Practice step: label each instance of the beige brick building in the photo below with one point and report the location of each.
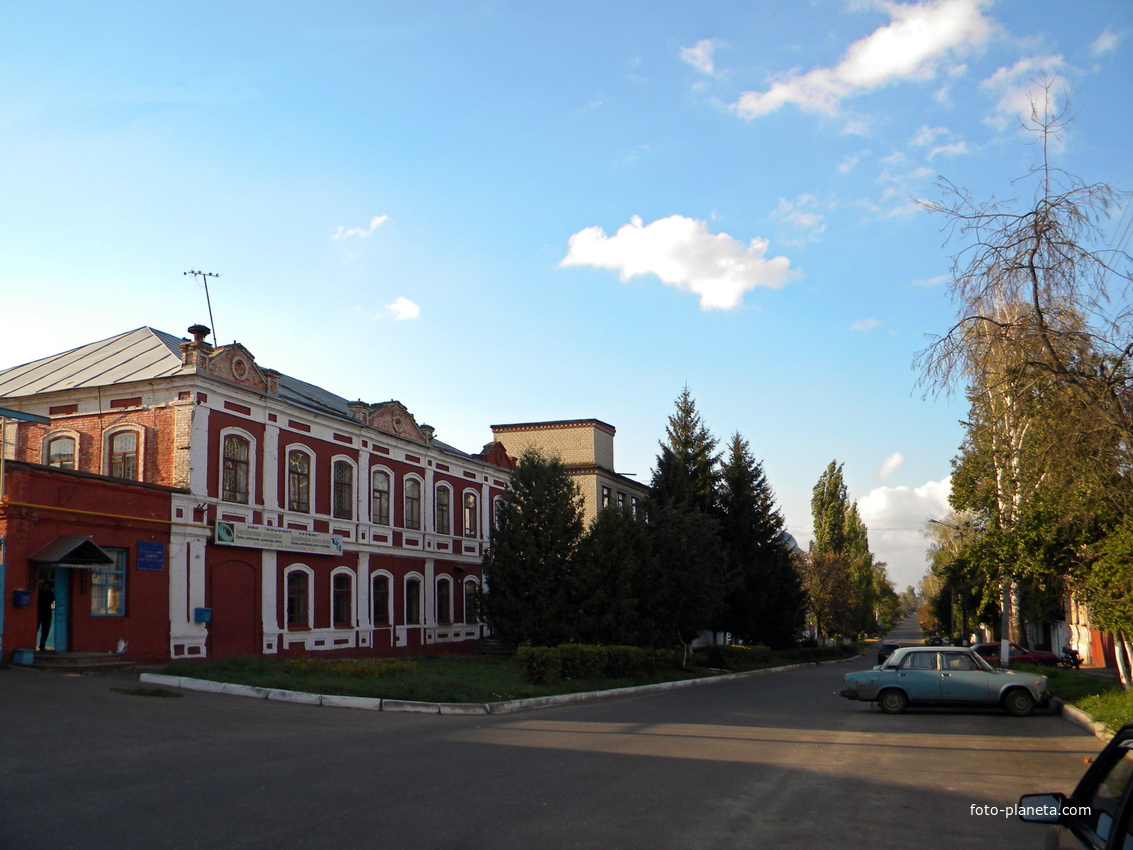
(586, 446)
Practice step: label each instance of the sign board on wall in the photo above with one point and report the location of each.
(278, 539)
(151, 555)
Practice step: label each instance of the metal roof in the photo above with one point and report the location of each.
(138, 355)
(147, 354)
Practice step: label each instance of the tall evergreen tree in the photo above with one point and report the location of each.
(527, 572)
(687, 472)
(612, 579)
(690, 573)
(768, 604)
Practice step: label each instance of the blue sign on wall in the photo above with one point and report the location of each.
(151, 556)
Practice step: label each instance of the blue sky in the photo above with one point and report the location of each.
(501, 212)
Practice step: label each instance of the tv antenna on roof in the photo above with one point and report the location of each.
(204, 276)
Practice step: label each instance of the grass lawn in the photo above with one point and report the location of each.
(452, 679)
(475, 679)
(1102, 698)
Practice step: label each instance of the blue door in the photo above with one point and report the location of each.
(962, 679)
(59, 636)
(919, 675)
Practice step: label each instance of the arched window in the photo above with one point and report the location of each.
(343, 507)
(471, 602)
(444, 600)
(235, 485)
(442, 516)
(124, 455)
(379, 511)
(380, 598)
(413, 601)
(413, 504)
(298, 598)
(342, 600)
(298, 481)
(61, 452)
(470, 514)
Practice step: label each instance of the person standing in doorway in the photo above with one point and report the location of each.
(46, 611)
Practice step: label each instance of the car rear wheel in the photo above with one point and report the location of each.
(892, 701)
(1019, 702)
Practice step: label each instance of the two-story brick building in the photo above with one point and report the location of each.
(296, 520)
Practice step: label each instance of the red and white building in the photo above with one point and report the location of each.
(295, 520)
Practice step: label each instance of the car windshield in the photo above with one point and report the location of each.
(981, 662)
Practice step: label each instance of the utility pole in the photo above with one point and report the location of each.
(204, 276)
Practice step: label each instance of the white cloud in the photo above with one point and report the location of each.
(700, 56)
(888, 466)
(361, 232)
(919, 37)
(865, 325)
(402, 308)
(895, 518)
(682, 253)
(939, 140)
(1106, 42)
(799, 216)
(1031, 83)
(932, 281)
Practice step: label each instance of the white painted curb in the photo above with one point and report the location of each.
(188, 683)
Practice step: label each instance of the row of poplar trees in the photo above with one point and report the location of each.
(707, 551)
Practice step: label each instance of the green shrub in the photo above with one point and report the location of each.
(542, 664)
(737, 657)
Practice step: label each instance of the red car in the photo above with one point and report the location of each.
(991, 652)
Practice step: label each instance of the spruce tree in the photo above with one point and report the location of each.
(687, 472)
(767, 604)
(527, 571)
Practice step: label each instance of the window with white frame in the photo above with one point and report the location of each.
(298, 584)
(123, 450)
(413, 601)
(379, 509)
(298, 481)
(444, 600)
(61, 451)
(381, 600)
(342, 599)
(471, 602)
(343, 490)
(442, 515)
(471, 512)
(234, 485)
(413, 504)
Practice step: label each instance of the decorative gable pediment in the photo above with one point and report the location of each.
(236, 364)
(390, 417)
(232, 363)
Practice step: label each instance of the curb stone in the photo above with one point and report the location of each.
(1080, 718)
(408, 706)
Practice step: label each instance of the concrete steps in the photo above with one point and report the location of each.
(79, 662)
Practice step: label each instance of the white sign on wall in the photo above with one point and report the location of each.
(279, 539)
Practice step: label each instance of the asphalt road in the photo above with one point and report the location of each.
(773, 761)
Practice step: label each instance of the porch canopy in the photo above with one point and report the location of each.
(76, 551)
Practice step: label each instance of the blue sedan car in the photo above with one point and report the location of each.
(928, 675)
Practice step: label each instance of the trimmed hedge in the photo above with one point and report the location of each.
(814, 654)
(736, 657)
(542, 664)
